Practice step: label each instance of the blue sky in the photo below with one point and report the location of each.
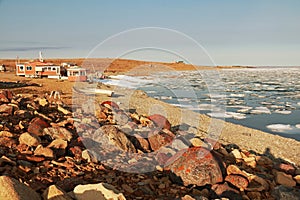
(232, 32)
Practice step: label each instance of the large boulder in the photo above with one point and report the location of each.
(195, 166)
(12, 189)
(114, 137)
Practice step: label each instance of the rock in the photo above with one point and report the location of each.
(160, 121)
(111, 105)
(53, 192)
(29, 139)
(283, 193)
(121, 118)
(85, 154)
(127, 188)
(100, 191)
(141, 143)
(7, 142)
(64, 111)
(233, 169)
(58, 144)
(286, 168)
(43, 151)
(178, 144)
(58, 133)
(254, 195)
(196, 142)
(236, 154)
(158, 139)
(263, 160)
(238, 181)
(37, 125)
(3, 97)
(224, 190)
(115, 137)
(12, 189)
(6, 110)
(284, 179)
(257, 184)
(43, 102)
(195, 166)
(7, 160)
(6, 134)
(297, 179)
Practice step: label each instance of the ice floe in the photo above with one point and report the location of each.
(279, 127)
(260, 110)
(284, 112)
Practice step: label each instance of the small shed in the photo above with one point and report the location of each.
(76, 74)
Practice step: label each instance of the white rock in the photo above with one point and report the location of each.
(100, 191)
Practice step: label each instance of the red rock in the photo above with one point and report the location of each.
(195, 166)
(6, 109)
(37, 125)
(110, 105)
(287, 168)
(7, 142)
(34, 158)
(76, 151)
(143, 143)
(238, 181)
(3, 98)
(158, 139)
(160, 121)
(6, 96)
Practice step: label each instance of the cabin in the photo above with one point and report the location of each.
(76, 73)
(38, 69)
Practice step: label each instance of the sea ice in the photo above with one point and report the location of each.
(279, 127)
(260, 110)
(284, 112)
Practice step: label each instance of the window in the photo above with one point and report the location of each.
(21, 68)
(53, 68)
(29, 68)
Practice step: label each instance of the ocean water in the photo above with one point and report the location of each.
(267, 99)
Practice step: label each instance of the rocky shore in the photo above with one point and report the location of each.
(109, 150)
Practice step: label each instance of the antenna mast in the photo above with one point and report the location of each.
(41, 57)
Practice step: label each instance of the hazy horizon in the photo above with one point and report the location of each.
(254, 33)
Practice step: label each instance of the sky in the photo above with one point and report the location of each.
(214, 32)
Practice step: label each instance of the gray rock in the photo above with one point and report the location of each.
(283, 193)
